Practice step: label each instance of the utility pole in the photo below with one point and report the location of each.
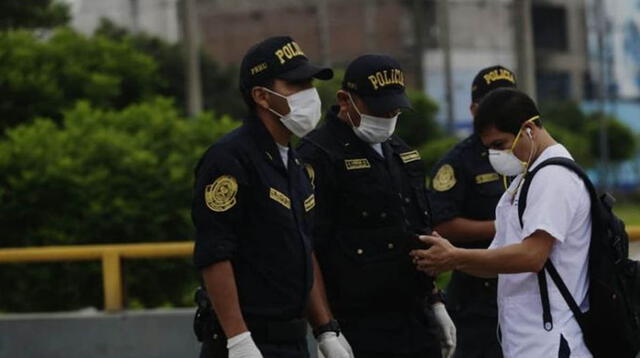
(445, 41)
(135, 16)
(419, 30)
(192, 57)
(601, 21)
(525, 52)
(370, 11)
(323, 29)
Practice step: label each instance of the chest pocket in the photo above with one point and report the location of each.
(360, 187)
(417, 190)
(489, 184)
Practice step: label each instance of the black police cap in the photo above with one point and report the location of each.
(489, 79)
(379, 81)
(278, 57)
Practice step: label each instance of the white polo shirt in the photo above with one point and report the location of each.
(558, 203)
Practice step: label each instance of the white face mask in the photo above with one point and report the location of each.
(304, 111)
(373, 129)
(505, 162)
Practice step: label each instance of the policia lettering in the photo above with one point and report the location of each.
(288, 52)
(499, 74)
(386, 77)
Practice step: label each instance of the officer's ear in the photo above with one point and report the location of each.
(260, 97)
(342, 97)
(473, 108)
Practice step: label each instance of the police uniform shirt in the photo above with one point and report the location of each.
(368, 207)
(465, 185)
(249, 209)
(559, 204)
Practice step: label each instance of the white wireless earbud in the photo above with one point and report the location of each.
(528, 130)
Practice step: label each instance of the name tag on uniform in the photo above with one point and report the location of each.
(353, 164)
(310, 203)
(411, 156)
(280, 198)
(486, 178)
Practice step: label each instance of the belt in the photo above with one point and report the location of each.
(263, 331)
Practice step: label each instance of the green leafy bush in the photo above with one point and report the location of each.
(100, 176)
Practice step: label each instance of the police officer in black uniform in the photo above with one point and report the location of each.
(464, 193)
(371, 201)
(252, 209)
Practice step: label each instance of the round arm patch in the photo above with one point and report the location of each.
(445, 178)
(221, 194)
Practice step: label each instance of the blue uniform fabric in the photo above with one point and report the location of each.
(369, 210)
(471, 301)
(266, 237)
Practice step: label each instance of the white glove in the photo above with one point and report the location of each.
(330, 345)
(447, 329)
(242, 346)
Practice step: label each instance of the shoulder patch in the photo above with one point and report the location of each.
(311, 173)
(445, 178)
(279, 197)
(310, 203)
(411, 156)
(486, 178)
(220, 195)
(353, 164)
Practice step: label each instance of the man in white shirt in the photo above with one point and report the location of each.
(556, 226)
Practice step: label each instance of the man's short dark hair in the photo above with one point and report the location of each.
(506, 109)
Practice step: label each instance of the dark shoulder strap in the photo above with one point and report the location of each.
(549, 267)
(563, 162)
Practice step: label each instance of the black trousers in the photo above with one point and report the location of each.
(477, 337)
(218, 349)
(430, 354)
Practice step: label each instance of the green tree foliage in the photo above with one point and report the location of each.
(101, 176)
(36, 14)
(41, 78)
(219, 85)
(419, 126)
(620, 138)
(580, 133)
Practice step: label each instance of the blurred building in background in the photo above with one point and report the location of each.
(155, 17)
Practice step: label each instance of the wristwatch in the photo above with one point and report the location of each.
(331, 326)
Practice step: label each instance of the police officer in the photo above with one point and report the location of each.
(371, 203)
(464, 192)
(252, 211)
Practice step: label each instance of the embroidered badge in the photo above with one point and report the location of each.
(280, 198)
(486, 178)
(411, 156)
(221, 194)
(310, 203)
(445, 178)
(353, 164)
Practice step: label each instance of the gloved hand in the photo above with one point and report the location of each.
(330, 345)
(447, 329)
(242, 346)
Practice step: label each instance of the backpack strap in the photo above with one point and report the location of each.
(549, 267)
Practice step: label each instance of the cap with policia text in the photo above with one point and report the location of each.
(379, 81)
(489, 79)
(278, 57)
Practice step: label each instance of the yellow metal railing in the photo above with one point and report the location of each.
(111, 256)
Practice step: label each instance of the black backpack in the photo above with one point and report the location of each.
(611, 327)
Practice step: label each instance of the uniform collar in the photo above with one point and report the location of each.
(267, 145)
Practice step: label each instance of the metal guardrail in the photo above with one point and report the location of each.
(112, 255)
